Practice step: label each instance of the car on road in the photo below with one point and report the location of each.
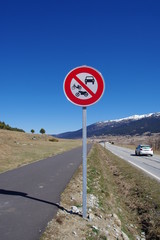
(143, 150)
(89, 79)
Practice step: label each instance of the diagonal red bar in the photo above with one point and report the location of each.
(84, 86)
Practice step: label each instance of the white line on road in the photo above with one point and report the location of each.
(144, 170)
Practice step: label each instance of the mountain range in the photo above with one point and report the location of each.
(137, 124)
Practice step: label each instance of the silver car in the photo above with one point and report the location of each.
(144, 150)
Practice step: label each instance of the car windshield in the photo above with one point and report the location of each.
(146, 147)
(89, 77)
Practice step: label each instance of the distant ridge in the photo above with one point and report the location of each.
(136, 124)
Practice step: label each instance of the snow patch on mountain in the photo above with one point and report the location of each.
(132, 118)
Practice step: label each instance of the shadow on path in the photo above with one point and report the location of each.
(25, 195)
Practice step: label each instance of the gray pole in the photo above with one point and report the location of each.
(84, 163)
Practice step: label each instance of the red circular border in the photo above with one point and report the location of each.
(83, 102)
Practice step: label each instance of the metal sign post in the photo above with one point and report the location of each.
(84, 162)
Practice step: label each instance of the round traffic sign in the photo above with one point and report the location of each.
(83, 86)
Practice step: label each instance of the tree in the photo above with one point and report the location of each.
(32, 131)
(42, 131)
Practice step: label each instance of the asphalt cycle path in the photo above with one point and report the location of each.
(30, 195)
(148, 164)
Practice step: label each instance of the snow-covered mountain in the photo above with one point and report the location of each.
(132, 118)
(137, 124)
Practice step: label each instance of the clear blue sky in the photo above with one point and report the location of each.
(41, 41)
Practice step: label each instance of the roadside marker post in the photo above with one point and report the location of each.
(84, 86)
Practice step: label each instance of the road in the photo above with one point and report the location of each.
(150, 165)
(30, 195)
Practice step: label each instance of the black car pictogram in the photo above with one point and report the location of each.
(81, 93)
(89, 79)
(78, 86)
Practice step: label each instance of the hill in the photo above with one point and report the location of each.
(7, 127)
(137, 124)
(18, 148)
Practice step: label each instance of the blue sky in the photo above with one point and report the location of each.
(41, 41)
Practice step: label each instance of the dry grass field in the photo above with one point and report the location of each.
(17, 148)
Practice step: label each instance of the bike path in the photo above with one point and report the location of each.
(30, 195)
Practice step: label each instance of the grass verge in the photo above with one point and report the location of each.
(134, 192)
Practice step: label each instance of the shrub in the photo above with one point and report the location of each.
(53, 140)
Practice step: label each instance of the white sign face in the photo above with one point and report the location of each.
(84, 86)
(87, 87)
